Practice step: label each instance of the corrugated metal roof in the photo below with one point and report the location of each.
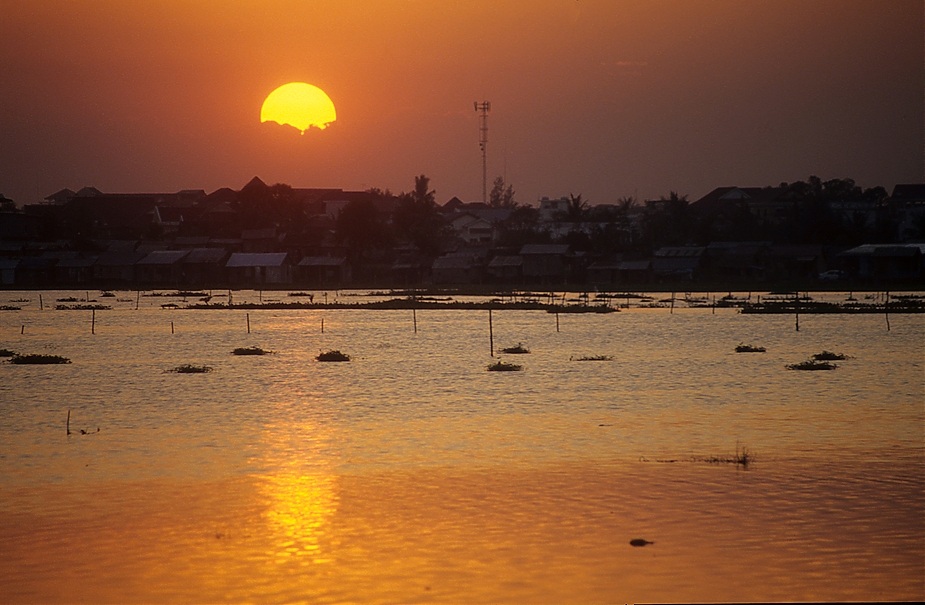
(506, 261)
(163, 257)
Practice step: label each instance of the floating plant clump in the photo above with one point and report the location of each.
(7, 353)
(742, 348)
(518, 349)
(595, 358)
(38, 359)
(503, 366)
(812, 364)
(250, 351)
(829, 356)
(333, 355)
(191, 369)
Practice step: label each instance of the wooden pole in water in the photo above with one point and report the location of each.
(22, 329)
(714, 304)
(414, 318)
(137, 298)
(886, 310)
(247, 316)
(557, 321)
(41, 304)
(93, 321)
(68, 421)
(322, 325)
(672, 304)
(171, 327)
(796, 310)
(491, 335)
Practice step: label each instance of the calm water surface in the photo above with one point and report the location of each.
(413, 475)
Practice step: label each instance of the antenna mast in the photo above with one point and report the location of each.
(484, 107)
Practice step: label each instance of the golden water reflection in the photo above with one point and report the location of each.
(300, 489)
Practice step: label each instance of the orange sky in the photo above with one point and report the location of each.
(605, 98)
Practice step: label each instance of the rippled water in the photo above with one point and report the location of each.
(411, 474)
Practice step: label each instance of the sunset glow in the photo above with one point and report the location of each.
(299, 105)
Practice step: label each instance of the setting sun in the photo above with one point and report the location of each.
(299, 105)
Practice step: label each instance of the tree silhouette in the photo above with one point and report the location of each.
(502, 195)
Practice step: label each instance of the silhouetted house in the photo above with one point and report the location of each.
(204, 267)
(506, 268)
(116, 268)
(472, 229)
(75, 269)
(635, 271)
(323, 271)
(677, 262)
(544, 263)
(737, 259)
(259, 269)
(724, 205)
(794, 261)
(260, 240)
(161, 267)
(457, 268)
(875, 262)
(35, 271)
(409, 268)
(604, 271)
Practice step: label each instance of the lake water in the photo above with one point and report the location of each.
(413, 475)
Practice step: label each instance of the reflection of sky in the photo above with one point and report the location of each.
(300, 488)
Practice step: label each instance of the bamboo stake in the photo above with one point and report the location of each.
(886, 310)
(93, 321)
(557, 321)
(41, 304)
(414, 318)
(491, 335)
(247, 316)
(68, 421)
(171, 327)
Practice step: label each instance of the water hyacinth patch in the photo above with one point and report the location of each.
(250, 351)
(503, 366)
(38, 359)
(191, 369)
(333, 355)
(811, 365)
(518, 349)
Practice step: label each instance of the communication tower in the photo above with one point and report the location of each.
(483, 108)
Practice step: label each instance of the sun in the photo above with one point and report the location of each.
(299, 105)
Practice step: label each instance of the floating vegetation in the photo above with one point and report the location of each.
(640, 542)
(333, 355)
(38, 359)
(518, 349)
(829, 356)
(170, 306)
(812, 364)
(595, 358)
(503, 366)
(68, 299)
(191, 369)
(250, 351)
(742, 348)
(83, 307)
(7, 353)
(107, 294)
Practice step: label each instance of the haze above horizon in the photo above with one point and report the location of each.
(594, 97)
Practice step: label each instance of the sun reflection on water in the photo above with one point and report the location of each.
(301, 491)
